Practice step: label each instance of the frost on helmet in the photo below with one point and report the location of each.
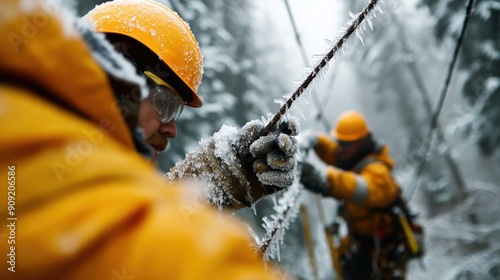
(158, 28)
(239, 167)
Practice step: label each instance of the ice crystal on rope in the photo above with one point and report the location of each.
(277, 224)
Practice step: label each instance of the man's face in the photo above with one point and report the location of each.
(156, 133)
(347, 150)
(157, 114)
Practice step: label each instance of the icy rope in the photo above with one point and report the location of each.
(442, 94)
(345, 34)
(276, 225)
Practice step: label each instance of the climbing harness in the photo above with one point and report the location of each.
(391, 253)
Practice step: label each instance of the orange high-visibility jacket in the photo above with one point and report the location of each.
(372, 187)
(85, 205)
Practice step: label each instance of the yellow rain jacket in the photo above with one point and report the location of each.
(83, 204)
(370, 188)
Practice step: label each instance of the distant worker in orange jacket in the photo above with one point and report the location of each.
(163, 49)
(358, 173)
(82, 203)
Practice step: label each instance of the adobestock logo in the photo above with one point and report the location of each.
(34, 22)
(78, 151)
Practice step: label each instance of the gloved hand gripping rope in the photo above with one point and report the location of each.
(240, 165)
(251, 147)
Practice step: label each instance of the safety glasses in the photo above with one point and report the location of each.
(166, 101)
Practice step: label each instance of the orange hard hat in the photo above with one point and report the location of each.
(351, 126)
(161, 30)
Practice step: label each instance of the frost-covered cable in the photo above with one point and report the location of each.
(419, 82)
(444, 89)
(323, 62)
(286, 210)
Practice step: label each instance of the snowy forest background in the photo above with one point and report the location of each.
(394, 77)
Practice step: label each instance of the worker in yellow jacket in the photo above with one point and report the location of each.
(358, 173)
(163, 49)
(81, 203)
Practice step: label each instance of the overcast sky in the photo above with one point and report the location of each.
(316, 21)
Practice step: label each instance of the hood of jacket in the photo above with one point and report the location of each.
(44, 52)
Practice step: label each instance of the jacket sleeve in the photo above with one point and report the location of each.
(373, 187)
(326, 149)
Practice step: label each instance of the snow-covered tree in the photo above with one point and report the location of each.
(479, 60)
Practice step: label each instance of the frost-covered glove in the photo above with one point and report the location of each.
(314, 179)
(239, 167)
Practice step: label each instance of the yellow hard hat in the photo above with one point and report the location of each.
(351, 126)
(158, 28)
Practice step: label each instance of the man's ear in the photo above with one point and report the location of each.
(128, 97)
